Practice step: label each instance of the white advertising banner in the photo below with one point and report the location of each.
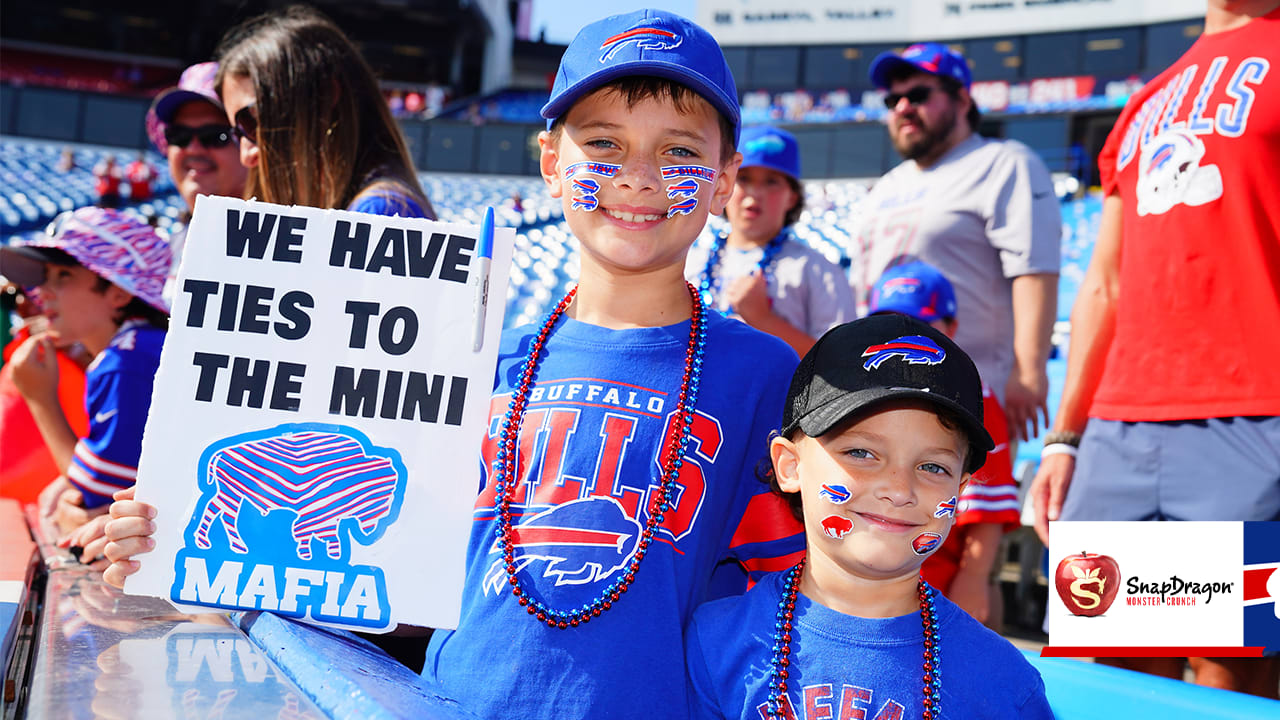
(313, 441)
(819, 22)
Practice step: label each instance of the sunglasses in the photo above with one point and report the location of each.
(210, 136)
(914, 96)
(247, 123)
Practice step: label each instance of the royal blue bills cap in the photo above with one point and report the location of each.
(646, 42)
(932, 58)
(916, 289)
(196, 83)
(770, 147)
(861, 364)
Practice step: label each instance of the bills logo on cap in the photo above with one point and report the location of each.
(946, 508)
(914, 349)
(899, 285)
(925, 543)
(837, 494)
(765, 144)
(645, 38)
(837, 526)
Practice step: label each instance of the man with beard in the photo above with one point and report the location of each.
(982, 211)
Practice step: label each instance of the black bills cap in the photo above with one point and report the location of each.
(879, 358)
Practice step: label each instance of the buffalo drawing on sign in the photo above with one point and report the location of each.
(328, 476)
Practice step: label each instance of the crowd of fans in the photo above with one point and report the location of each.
(962, 236)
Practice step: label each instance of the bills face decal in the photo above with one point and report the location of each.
(946, 508)
(838, 494)
(837, 526)
(925, 543)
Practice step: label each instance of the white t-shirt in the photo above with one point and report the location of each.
(984, 214)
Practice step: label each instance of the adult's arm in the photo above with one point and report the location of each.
(35, 373)
(1093, 321)
(1026, 394)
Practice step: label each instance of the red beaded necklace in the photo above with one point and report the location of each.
(504, 467)
(932, 667)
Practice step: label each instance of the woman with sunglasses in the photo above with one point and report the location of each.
(313, 125)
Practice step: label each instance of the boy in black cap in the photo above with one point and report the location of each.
(881, 429)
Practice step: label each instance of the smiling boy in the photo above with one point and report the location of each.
(882, 428)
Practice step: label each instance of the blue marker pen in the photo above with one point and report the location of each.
(484, 258)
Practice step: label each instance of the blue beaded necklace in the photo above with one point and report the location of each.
(781, 662)
(504, 468)
(710, 284)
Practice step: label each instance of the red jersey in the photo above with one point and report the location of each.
(990, 497)
(1193, 157)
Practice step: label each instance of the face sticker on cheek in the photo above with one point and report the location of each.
(925, 543)
(837, 494)
(685, 188)
(585, 189)
(837, 526)
(946, 508)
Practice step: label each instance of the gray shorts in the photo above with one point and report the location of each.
(1215, 469)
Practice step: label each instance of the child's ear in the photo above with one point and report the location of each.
(786, 464)
(725, 179)
(964, 482)
(549, 163)
(117, 297)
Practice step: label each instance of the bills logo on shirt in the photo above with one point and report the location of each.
(583, 495)
(913, 349)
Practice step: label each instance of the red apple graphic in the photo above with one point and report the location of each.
(1087, 583)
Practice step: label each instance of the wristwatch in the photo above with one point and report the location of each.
(1062, 437)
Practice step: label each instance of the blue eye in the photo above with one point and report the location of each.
(683, 152)
(935, 469)
(860, 453)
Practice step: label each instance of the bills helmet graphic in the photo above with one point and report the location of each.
(578, 542)
(684, 207)
(925, 543)
(838, 494)
(946, 508)
(837, 526)
(645, 38)
(1170, 173)
(325, 477)
(913, 349)
(682, 189)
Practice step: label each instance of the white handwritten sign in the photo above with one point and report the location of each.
(313, 441)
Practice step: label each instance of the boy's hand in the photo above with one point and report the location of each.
(70, 514)
(748, 296)
(49, 496)
(91, 538)
(128, 534)
(35, 369)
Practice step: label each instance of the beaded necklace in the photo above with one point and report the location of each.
(710, 285)
(932, 665)
(504, 467)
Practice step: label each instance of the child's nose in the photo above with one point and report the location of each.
(639, 174)
(894, 485)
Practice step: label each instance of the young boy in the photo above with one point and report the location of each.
(988, 507)
(626, 429)
(881, 430)
(98, 279)
(759, 271)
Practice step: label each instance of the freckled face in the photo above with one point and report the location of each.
(897, 465)
(629, 231)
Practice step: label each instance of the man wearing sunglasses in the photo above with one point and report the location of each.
(982, 211)
(189, 125)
